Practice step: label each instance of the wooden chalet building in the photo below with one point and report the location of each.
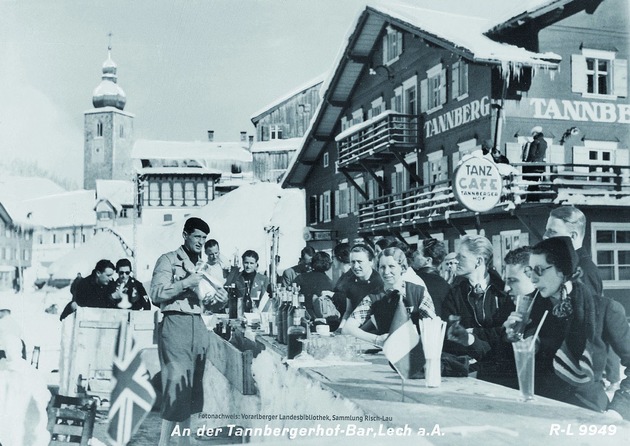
(280, 127)
(416, 90)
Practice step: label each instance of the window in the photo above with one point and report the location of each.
(325, 159)
(313, 211)
(436, 167)
(154, 194)
(178, 194)
(599, 73)
(392, 45)
(410, 96)
(433, 89)
(611, 249)
(167, 217)
(357, 116)
(166, 194)
(397, 100)
(67, 238)
(326, 206)
(202, 193)
(377, 108)
(82, 238)
(54, 238)
(276, 132)
(342, 200)
(459, 80)
(99, 129)
(344, 123)
(189, 194)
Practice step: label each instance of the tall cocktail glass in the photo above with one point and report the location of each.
(524, 356)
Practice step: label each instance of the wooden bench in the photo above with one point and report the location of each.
(71, 420)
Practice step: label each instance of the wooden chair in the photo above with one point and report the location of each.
(71, 420)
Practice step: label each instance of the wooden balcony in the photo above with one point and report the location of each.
(582, 185)
(376, 140)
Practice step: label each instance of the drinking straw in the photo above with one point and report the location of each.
(538, 328)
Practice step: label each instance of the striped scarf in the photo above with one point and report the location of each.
(573, 362)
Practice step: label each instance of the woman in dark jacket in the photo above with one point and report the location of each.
(572, 350)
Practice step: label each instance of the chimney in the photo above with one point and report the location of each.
(243, 136)
(251, 141)
(211, 135)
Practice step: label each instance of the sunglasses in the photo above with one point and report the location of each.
(126, 273)
(538, 270)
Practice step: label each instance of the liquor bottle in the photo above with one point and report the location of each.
(232, 301)
(282, 329)
(286, 315)
(294, 334)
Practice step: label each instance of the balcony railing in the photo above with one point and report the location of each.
(384, 132)
(583, 185)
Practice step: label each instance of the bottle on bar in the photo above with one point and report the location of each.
(232, 301)
(286, 316)
(282, 329)
(306, 316)
(294, 334)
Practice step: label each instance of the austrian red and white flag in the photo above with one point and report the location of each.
(133, 395)
(403, 348)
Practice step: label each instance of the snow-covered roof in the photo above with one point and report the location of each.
(19, 188)
(200, 150)
(278, 102)
(509, 12)
(465, 32)
(116, 191)
(67, 209)
(277, 145)
(178, 170)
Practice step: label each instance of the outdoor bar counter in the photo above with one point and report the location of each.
(355, 397)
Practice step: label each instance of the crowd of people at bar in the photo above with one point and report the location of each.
(580, 346)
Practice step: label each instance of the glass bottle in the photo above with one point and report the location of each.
(294, 334)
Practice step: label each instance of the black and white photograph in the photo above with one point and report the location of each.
(307, 222)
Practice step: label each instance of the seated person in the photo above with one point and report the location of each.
(126, 284)
(360, 281)
(250, 285)
(573, 340)
(478, 298)
(371, 319)
(314, 282)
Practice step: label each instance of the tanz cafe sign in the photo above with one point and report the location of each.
(477, 184)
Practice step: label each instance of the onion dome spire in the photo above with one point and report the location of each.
(108, 93)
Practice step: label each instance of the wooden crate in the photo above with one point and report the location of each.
(235, 364)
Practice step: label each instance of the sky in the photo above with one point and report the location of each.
(186, 66)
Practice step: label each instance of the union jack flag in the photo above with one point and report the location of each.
(133, 395)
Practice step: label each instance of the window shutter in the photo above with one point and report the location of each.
(337, 202)
(424, 95)
(578, 73)
(385, 49)
(443, 86)
(620, 79)
(331, 207)
(321, 208)
(455, 81)
(463, 74)
(395, 183)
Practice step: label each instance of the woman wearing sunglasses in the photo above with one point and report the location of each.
(575, 336)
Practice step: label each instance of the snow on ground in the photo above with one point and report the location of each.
(37, 327)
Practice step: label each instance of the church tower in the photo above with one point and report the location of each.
(108, 131)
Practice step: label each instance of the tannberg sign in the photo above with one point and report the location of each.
(478, 184)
